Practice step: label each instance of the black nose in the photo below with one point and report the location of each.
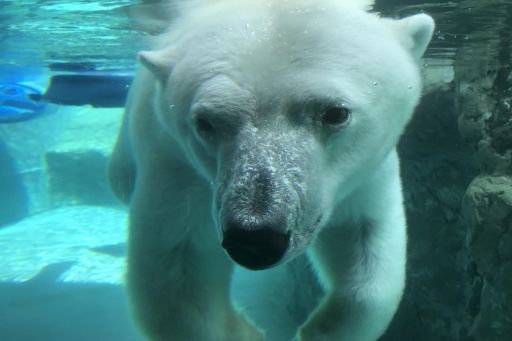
(255, 249)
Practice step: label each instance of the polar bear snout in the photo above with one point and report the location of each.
(255, 248)
(256, 209)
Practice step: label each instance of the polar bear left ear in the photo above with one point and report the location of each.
(416, 32)
(160, 63)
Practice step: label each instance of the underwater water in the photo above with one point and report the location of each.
(65, 68)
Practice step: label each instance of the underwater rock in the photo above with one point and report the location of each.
(60, 159)
(76, 177)
(76, 163)
(488, 209)
(459, 284)
(484, 97)
(13, 197)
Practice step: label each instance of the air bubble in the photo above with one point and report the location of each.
(375, 83)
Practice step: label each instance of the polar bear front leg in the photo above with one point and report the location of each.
(361, 261)
(178, 276)
(361, 301)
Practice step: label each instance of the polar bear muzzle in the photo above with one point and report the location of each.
(257, 201)
(254, 226)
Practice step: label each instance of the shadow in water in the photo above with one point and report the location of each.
(46, 308)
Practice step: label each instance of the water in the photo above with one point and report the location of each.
(38, 34)
(62, 234)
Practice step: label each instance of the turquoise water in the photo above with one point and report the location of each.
(62, 234)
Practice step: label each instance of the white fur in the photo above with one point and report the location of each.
(262, 73)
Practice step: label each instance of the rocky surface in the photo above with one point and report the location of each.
(13, 197)
(457, 169)
(488, 210)
(56, 160)
(23, 144)
(76, 166)
(484, 101)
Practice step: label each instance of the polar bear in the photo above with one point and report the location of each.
(257, 131)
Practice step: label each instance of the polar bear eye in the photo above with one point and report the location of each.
(336, 116)
(204, 126)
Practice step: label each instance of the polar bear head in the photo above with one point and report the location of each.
(284, 107)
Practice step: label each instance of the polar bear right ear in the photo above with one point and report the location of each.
(416, 32)
(160, 63)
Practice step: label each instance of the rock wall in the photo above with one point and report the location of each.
(484, 101)
(457, 170)
(13, 197)
(58, 159)
(76, 166)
